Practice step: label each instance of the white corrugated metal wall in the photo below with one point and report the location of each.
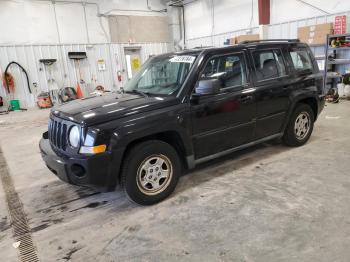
(286, 30)
(217, 39)
(64, 72)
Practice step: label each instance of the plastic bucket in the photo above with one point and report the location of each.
(15, 104)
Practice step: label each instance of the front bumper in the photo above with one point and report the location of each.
(95, 171)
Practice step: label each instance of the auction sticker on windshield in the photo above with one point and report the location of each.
(183, 59)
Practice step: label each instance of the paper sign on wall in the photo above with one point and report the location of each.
(101, 64)
(339, 24)
(135, 63)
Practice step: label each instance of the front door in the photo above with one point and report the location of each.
(224, 120)
(273, 87)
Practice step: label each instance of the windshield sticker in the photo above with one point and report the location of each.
(183, 59)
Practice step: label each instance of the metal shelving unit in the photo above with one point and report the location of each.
(339, 48)
(337, 61)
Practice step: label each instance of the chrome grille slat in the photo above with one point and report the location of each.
(50, 129)
(58, 131)
(58, 135)
(64, 136)
(54, 133)
(51, 133)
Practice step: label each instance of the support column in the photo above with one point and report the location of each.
(263, 32)
(264, 18)
(264, 12)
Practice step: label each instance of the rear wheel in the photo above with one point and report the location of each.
(300, 126)
(150, 172)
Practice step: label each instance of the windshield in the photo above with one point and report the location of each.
(162, 75)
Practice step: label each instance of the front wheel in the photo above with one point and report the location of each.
(150, 172)
(300, 126)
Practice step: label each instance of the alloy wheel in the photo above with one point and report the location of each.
(154, 174)
(302, 125)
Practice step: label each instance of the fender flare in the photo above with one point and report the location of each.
(295, 101)
(120, 142)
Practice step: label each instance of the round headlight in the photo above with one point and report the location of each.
(74, 136)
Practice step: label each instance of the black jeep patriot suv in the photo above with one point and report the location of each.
(182, 109)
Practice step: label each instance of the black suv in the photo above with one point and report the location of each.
(182, 109)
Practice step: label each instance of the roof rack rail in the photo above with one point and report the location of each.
(204, 46)
(271, 40)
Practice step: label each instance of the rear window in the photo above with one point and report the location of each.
(301, 59)
(269, 64)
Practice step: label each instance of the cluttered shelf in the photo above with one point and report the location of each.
(334, 75)
(330, 44)
(337, 64)
(339, 48)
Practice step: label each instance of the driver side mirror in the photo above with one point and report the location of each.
(206, 87)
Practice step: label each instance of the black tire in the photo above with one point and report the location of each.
(135, 161)
(290, 136)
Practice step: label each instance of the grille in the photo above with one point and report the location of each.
(58, 133)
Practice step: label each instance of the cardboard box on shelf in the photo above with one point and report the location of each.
(315, 34)
(241, 38)
(314, 40)
(315, 29)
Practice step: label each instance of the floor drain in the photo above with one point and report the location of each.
(19, 222)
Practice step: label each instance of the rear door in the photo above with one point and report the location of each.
(306, 73)
(273, 87)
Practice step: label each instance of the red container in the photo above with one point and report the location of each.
(44, 100)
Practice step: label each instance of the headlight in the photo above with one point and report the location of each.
(74, 136)
(89, 147)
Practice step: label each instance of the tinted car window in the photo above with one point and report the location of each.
(301, 59)
(269, 64)
(230, 69)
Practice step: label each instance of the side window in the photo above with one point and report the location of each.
(269, 64)
(301, 59)
(230, 69)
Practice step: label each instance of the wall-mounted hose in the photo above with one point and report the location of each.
(24, 71)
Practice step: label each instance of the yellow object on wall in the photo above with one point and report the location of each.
(135, 63)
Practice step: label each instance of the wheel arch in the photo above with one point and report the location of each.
(171, 137)
(312, 102)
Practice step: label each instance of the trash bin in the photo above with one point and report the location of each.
(14, 104)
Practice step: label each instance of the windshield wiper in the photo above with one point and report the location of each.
(135, 91)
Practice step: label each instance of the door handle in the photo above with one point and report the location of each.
(246, 99)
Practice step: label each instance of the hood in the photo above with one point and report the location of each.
(93, 110)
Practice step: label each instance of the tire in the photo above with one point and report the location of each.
(300, 126)
(150, 172)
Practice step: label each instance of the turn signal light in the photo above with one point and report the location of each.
(92, 149)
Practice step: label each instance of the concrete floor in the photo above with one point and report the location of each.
(267, 203)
